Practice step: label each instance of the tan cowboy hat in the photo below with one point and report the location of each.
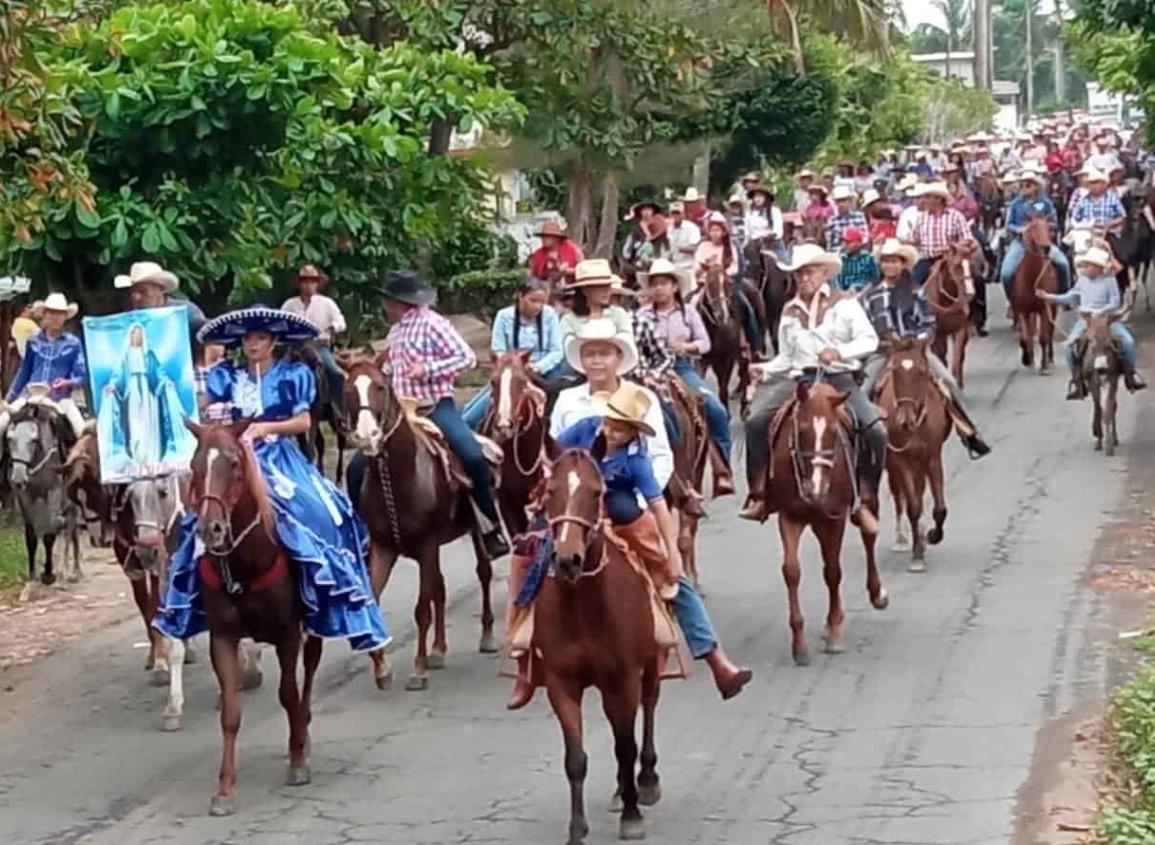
(736, 199)
(892, 247)
(870, 196)
(662, 267)
(908, 182)
(817, 186)
(1029, 174)
(593, 272)
(601, 331)
(806, 255)
(629, 404)
(1011, 177)
(676, 207)
(618, 286)
(1097, 256)
(56, 302)
(841, 192)
(551, 229)
(936, 189)
(147, 272)
(1094, 174)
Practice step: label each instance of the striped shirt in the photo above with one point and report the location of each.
(424, 337)
(935, 232)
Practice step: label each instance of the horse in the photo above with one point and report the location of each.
(1035, 317)
(328, 407)
(517, 421)
(991, 204)
(1135, 245)
(1100, 363)
(813, 231)
(437, 510)
(1059, 189)
(812, 483)
(724, 327)
(947, 297)
(248, 588)
(594, 626)
(691, 454)
(35, 453)
(771, 282)
(918, 424)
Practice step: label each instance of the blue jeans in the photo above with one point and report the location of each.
(673, 427)
(476, 408)
(1014, 257)
(749, 320)
(325, 356)
(717, 415)
(1122, 336)
(690, 611)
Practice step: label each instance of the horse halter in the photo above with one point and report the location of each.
(801, 458)
(201, 502)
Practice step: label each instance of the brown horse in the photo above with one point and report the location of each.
(1100, 365)
(724, 326)
(946, 295)
(812, 484)
(918, 424)
(691, 454)
(412, 508)
(517, 422)
(594, 627)
(990, 196)
(248, 588)
(813, 231)
(1035, 317)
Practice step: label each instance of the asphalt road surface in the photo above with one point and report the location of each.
(924, 731)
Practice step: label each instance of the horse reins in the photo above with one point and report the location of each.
(919, 419)
(230, 584)
(35, 469)
(518, 431)
(386, 477)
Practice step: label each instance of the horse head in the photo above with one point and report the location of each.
(818, 414)
(83, 486)
(572, 505)
(515, 400)
(1037, 235)
(225, 479)
(1101, 351)
(814, 231)
(910, 379)
(33, 437)
(143, 514)
(369, 399)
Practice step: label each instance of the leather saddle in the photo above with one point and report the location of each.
(430, 437)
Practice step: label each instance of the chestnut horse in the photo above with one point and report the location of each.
(1035, 317)
(918, 424)
(947, 297)
(594, 627)
(812, 484)
(248, 588)
(724, 326)
(410, 509)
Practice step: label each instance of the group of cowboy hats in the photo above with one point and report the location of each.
(142, 272)
(810, 255)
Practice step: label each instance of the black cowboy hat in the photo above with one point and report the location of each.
(406, 286)
(761, 189)
(636, 208)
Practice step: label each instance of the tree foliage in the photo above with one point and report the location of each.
(1116, 43)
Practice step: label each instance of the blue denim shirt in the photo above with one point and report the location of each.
(46, 360)
(626, 472)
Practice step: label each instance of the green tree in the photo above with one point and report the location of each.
(1114, 41)
(864, 23)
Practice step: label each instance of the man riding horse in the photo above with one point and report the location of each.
(1030, 204)
(935, 228)
(1099, 208)
(324, 313)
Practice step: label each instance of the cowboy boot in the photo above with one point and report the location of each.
(1132, 379)
(522, 687)
(728, 678)
(755, 509)
(1076, 390)
(723, 476)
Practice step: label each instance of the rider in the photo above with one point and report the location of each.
(819, 206)
(1096, 292)
(845, 217)
(716, 251)
(684, 237)
(804, 181)
(826, 330)
(557, 256)
(53, 357)
(315, 522)
(897, 308)
(1100, 206)
(323, 313)
(681, 332)
(859, 267)
(1031, 203)
(530, 323)
(593, 292)
(881, 221)
(936, 228)
(764, 218)
(151, 286)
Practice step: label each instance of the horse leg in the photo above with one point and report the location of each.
(173, 717)
(381, 560)
(687, 536)
(1047, 339)
(790, 530)
(319, 447)
(565, 696)
(649, 784)
(158, 643)
(1109, 414)
(74, 540)
(1096, 411)
(958, 358)
(288, 655)
(313, 647)
(938, 495)
(895, 476)
(879, 599)
(488, 644)
(141, 596)
(251, 676)
(1022, 321)
(342, 445)
(436, 659)
(915, 495)
(223, 651)
(830, 535)
(30, 542)
(621, 708)
(48, 576)
(423, 615)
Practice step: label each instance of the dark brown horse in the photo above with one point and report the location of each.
(771, 281)
(328, 407)
(724, 326)
(517, 422)
(248, 589)
(1100, 365)
(946, 295)
(691, 454)
(411, 507)
(594, 628)
(991, 203)
(918, 424)
(813, 231)
(812, 484)
(1035, 317)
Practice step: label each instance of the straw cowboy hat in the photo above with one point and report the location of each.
(869, 197)
(406, 286)
(592, 272)
(807, 255)
(629, 404)
(819, 188)
(908, 182)
(1096, 256)
(662, 267)
(601, 331)
(936, 189)
(842, 193)
(892, 247)
(551, 229)
(147, 272)
(691, 195)
(230, 329)
(56, 302)
(1093, 174)
(738, 199)
(1029, 174)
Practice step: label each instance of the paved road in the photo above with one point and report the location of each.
(923, 732)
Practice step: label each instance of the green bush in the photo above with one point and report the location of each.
(1133, 720)
(481, 292)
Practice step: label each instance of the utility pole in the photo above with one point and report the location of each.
(1060, 69)
(981, 27)
(1029, 19)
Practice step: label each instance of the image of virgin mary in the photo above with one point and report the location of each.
(139, 423)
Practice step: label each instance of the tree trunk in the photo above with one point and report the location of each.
(608, 228)
(579, 209)
(440, 132)
(1060, 63)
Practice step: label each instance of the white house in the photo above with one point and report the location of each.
(1007, 96)
(962, 68)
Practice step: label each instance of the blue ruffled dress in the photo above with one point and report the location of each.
(315, 521)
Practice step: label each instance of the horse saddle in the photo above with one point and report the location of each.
(431, 438)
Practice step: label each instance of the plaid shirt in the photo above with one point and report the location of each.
(1099, 210)
(935, 232)
(888, 318)
(211, 412)
(654, 357)
(837, 225)
(425, 337)
(858, 270)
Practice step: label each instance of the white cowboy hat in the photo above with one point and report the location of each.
(841, 192)
(870, 196)
(1029, 174)
(662, 267)
(805, 173)
(601, 331)
(56, 302)
(1097, 256)
(908, 182)
(676, 207)
(1094, 174)
(736, 199)
(896, 248)
(147, 272)
(593, 272)
(936, 189)
(691, 195)
(806, 255)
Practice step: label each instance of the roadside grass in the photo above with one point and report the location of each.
(1129, 818)
(13, 561)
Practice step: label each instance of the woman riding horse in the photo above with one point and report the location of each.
(314, 520)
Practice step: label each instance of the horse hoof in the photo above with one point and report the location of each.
(632, 830)
(801, 657)
(298, 776)
(934, 536)
(74, 578)
(27, 593)
(1098, 446)
(48, 579)
(648, 796)
(435, 660)
(384, 681)
(190, 655)
(222, 805)
(917, 566)
(158, 677)
(833, 645)
(417, 683)
(882, 602)
(487, 645)
(577, 833)
(170, 723)
(251, 680)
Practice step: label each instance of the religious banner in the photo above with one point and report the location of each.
(141, 373)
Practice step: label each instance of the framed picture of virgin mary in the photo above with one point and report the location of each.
(140, 370)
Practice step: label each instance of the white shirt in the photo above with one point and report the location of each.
(321, 311)
(758, 226)
(575, 404)
(684, 241)
(1105, 162)
(904, 230)
(844, 326)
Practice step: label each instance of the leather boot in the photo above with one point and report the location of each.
(522, 687)
(1133, 380)
(1076, 391)
(728, 678)
(755, 508)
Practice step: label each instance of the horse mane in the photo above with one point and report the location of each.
(255, 483)
(83, 455)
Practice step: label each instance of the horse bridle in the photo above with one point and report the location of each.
(533, 402)
(814, 457)
(231, 585)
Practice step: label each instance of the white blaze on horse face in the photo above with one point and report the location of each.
(817, 468)
(505, 399)
(907, 364)
(572, 483)
(367, 429)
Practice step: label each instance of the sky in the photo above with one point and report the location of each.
(920, 11)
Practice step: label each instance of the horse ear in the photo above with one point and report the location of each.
(598, 450)
(842, 397)
(801, 391)
(239, 428)
(524, 356)
(193, 426)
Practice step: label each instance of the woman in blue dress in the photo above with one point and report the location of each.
(315, 521)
